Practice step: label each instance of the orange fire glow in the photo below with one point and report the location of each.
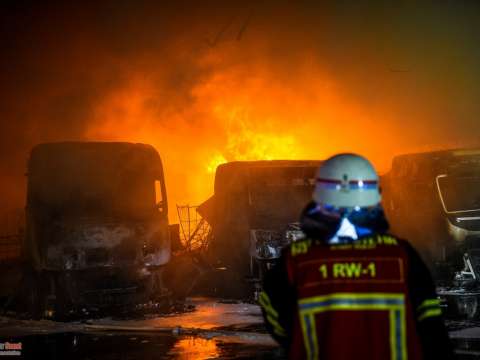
(243, 112)
(193, 348)
(238, 80)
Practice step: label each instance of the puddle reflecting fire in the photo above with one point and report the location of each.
(194, 348)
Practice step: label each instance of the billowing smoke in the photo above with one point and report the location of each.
(221, 81)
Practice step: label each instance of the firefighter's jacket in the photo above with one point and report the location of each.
(372, 298)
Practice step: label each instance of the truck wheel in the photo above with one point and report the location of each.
(468, 306)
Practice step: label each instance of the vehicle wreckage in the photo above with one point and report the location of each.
(433, 200)
(430, 199)
(97, 231)
(254, 213)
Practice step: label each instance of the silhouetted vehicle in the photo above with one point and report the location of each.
(433, 199)
(97, 232)
(253, 215)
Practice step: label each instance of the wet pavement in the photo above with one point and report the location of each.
(112, 346)
(465, 336)
(215, 330)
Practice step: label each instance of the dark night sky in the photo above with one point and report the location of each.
(406, 73)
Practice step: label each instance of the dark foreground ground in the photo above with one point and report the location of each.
(139, 346)
(215, 330)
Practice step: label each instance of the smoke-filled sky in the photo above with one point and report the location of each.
(216, 81)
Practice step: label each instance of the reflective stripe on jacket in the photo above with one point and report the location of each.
(356, 300)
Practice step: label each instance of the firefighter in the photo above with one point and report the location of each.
(349, 289)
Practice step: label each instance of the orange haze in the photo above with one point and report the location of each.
(236, 80)
(234, 117)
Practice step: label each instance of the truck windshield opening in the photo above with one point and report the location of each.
(460, 193)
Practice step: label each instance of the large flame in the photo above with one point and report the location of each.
(243, 112)
(237, 80)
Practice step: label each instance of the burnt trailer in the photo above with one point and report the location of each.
(97, 231)
(254, 213)
(433, 199)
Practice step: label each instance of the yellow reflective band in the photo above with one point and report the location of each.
(391, 303)
(277, 328)
(265, 303)
(430, 313)
(392, 338)
(356, 296)
(272, 314)
(264, 297)
(429, 303)
(269, 309)
(309, 330)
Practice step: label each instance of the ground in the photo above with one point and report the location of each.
(214, 330)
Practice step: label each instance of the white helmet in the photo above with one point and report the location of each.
(347, 181)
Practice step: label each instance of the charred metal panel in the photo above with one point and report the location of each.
(82, 245)
(419, 203)
(259, 194)
(252, 208)
(94, 205)
(268, 244)
(433, 200)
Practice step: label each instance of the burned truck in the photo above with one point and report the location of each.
(433, 199)
(97, 231)
(254, 213)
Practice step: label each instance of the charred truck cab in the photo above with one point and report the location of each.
(254, 213)
(96, 225)
(433, 199)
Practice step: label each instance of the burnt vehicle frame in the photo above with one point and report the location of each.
(432, 199)
(254, 213)
(97, 232)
